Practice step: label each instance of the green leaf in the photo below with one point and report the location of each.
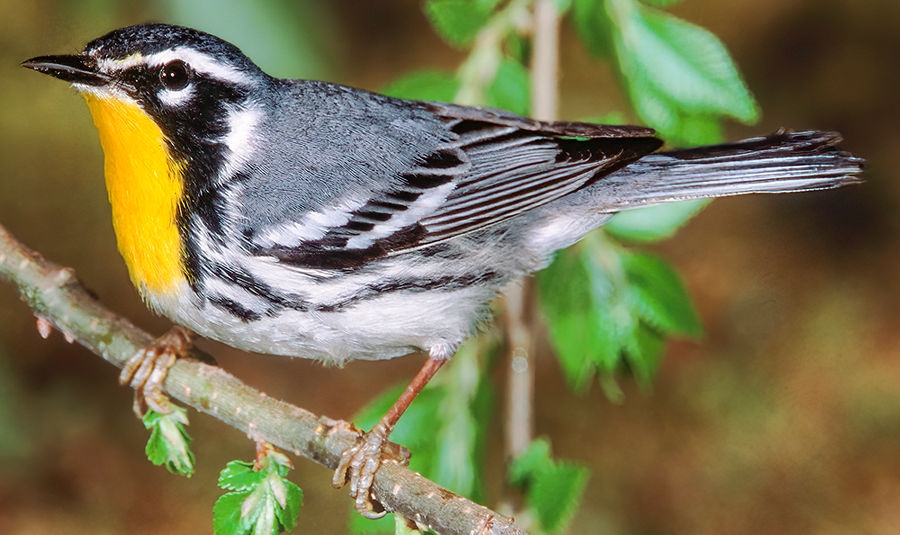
(679, 76)
(553, 489)
(572, 298)
(263, 500)
(240, 476)
(424, 85)
(556, 495)
(533, 460)
(643, 352)
(361, 525)
(459, 21)
(653, 223)
(227, 514)
(606, 307)
(661, 3)
(658, 297)
(290, 502)
(593, 25)
(169, 444)
(511, 88)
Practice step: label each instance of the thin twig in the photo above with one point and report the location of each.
(520, 392)
(545, 60)
(480, 67)
(56, 296)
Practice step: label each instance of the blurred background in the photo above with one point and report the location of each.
(784, 418)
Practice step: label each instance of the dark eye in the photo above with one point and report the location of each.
(175, 75)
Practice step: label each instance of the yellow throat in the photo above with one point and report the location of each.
(145, 186)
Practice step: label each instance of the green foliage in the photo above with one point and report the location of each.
(169, 444)
(458, 21)
(424, 85)
(653, 223)
(553, 489)
(607, 307)
(262, 500)
(680, 77)
(661, 3)
(511, 87)
(593, 25)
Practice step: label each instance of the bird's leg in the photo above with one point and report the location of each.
(146, 370)
(360, 462)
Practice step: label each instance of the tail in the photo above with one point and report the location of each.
(784, 162)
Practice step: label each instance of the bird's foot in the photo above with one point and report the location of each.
(360, 462)
(147, 369)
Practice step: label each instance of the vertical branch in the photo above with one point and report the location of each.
(520, 392)
(545, 60)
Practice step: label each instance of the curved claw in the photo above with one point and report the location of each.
(147, 369)
(358, 465)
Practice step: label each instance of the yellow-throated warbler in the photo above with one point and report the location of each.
(304, 218)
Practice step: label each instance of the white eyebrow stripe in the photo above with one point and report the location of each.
(198, 61)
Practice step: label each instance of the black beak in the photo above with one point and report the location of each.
(75, 69)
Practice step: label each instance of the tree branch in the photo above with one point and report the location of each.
(519, 316)
(57, 296)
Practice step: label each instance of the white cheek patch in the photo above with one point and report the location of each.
(242, 124)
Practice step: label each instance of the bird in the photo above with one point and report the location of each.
(310, 219)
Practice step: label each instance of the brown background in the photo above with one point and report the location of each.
(784, 418)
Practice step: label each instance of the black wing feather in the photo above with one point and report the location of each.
(497, 165)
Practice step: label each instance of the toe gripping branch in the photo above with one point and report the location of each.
(360, 462)
(147, 369)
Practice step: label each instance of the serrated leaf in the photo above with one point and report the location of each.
(511, 87)
(556, 494)
(679, 76)
(459, 21)
(424, 85)
(239, 476)
(169, 444)
(657, 295)
(703, 77)
(265, 502)
(653, 223)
